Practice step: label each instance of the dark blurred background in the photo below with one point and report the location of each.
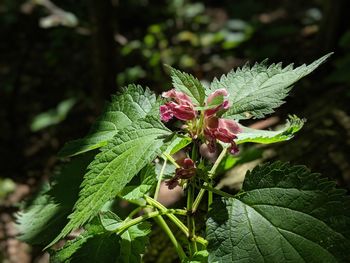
(61, 60)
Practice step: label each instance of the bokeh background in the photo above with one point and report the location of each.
(61, 60)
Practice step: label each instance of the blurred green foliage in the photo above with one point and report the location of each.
(53, 116)
(186, 38)
(6, 186)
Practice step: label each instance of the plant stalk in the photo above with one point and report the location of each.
(126, 224)
(168, 157)
(160, 179)
(190, 220)
(191, 224)
(211, 174)
(175, 220)
(161, 222)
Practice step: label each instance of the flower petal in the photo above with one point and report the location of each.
(223, 106)
(218, 92)
(184, 112)
(221, 129)
(180, 97)
(166, 113)
(230, 125)
(233, 149)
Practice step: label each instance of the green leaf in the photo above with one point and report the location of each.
(125, 155)
(287, 214)
(133, 243)
(110, 221)
(177, 143)
(93, 245)
(52, 116)
(189, 85)
(148, 180)
(257, 91)
(218, 100)
(293, 125)
(132, 104)
(7, 186)
(199, 257)
(46, 214)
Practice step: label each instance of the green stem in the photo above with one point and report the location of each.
(126, 224)
(190, 220)
(200, 125)
(167, 156)
(211, 174)
(217, 191)
(191, 224)
(161, 222)
(134, 212)
(175, 220)
(210, 197)
(212, 171)
(172, 217)
(160, 179)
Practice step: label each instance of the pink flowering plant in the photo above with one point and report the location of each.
(184, 141)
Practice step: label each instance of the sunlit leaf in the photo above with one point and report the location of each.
(124, 156)
(293, 125)
(189, 85)
(256, 91)
(132, 104)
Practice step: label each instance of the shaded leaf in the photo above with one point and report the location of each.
(133, 240)
(47, 213)
(93, 245)
(110, 221)
(133, 243)
(286, 214)
(53, 116)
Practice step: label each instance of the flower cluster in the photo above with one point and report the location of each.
(212, 127)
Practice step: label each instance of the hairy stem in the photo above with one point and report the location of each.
(134, 212)
(190, 220)
(211, 174)
(161, 222)
(126, 224)
(172, 217)
(175, 220)
(212, 171)
(160, 179)
(210, 196)
(168, 157)
(191, 224)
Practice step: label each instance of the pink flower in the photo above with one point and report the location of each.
(182, 108)
(186, 171)
(216, 128)
(223, 130)
(223, 106)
